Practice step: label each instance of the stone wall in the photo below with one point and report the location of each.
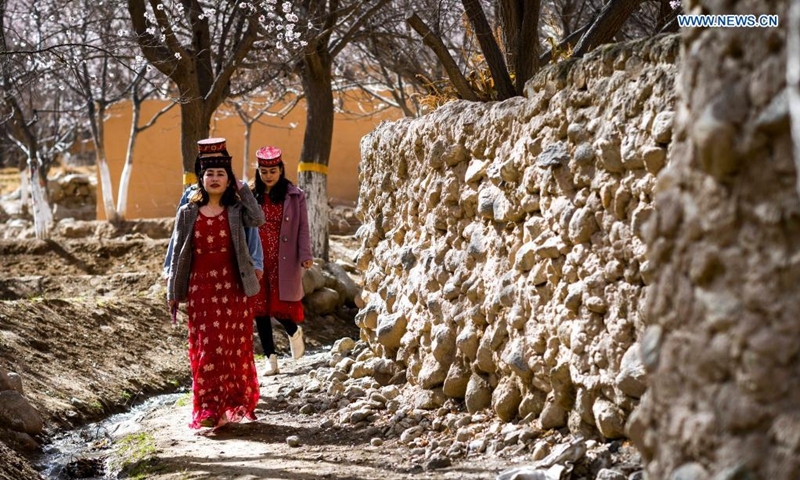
(502, 246)
(722, 344)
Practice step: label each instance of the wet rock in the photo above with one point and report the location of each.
(17, 413)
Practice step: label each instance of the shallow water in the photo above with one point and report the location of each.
(83, 453)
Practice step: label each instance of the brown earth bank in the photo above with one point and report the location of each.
(83, 323)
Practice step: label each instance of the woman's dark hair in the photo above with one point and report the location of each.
(230, 197)
(277, 194)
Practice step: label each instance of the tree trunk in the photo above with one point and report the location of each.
(248, 129)
(434, 42)
(194, 126)
(722, 344)
(521, 30)
(96, 121)
(491, 51)
(105, 182)
(611, 19)
(42, 214)
(312, 174)
(125, 177)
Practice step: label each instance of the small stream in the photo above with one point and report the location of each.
(84, 452)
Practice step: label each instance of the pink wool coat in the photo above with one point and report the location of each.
(294, 246)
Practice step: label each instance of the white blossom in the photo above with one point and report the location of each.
(160, 6)
(178, 55)
(287, 7)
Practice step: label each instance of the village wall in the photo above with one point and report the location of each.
(502, 242)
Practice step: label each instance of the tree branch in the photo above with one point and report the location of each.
(437, 46)
(611, 19)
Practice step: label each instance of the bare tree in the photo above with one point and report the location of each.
(524, 26)
(38, 113)
(332, 27)
(199, 48)
(141, 89)
(97, 72)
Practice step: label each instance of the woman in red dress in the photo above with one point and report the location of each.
(287, 251)
(211, 269)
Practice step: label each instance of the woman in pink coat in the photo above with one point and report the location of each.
(287, 252)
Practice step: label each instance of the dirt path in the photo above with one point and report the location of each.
(325, 449)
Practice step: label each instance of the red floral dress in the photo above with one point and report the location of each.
(224, 381)
(268, 303)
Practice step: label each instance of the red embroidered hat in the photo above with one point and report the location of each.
(269, 156)
(212, 153)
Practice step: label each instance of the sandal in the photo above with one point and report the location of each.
(208, 422)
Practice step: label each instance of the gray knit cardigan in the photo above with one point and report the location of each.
(246, 213)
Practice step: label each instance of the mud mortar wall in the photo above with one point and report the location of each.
(502, 246)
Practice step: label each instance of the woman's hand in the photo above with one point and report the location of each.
(259, 274)
(307, 264)
(173, 310)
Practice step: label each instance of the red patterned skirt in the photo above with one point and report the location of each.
(268, 302)
(224, 379)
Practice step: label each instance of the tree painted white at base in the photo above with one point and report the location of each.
(315, 186)
(42, 215)
(108, 196)
(122, 195)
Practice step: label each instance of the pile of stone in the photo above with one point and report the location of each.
(327, 287)
(73, 195)
(359, 390)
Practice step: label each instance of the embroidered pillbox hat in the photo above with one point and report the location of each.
(212, 153)
(269, 156)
